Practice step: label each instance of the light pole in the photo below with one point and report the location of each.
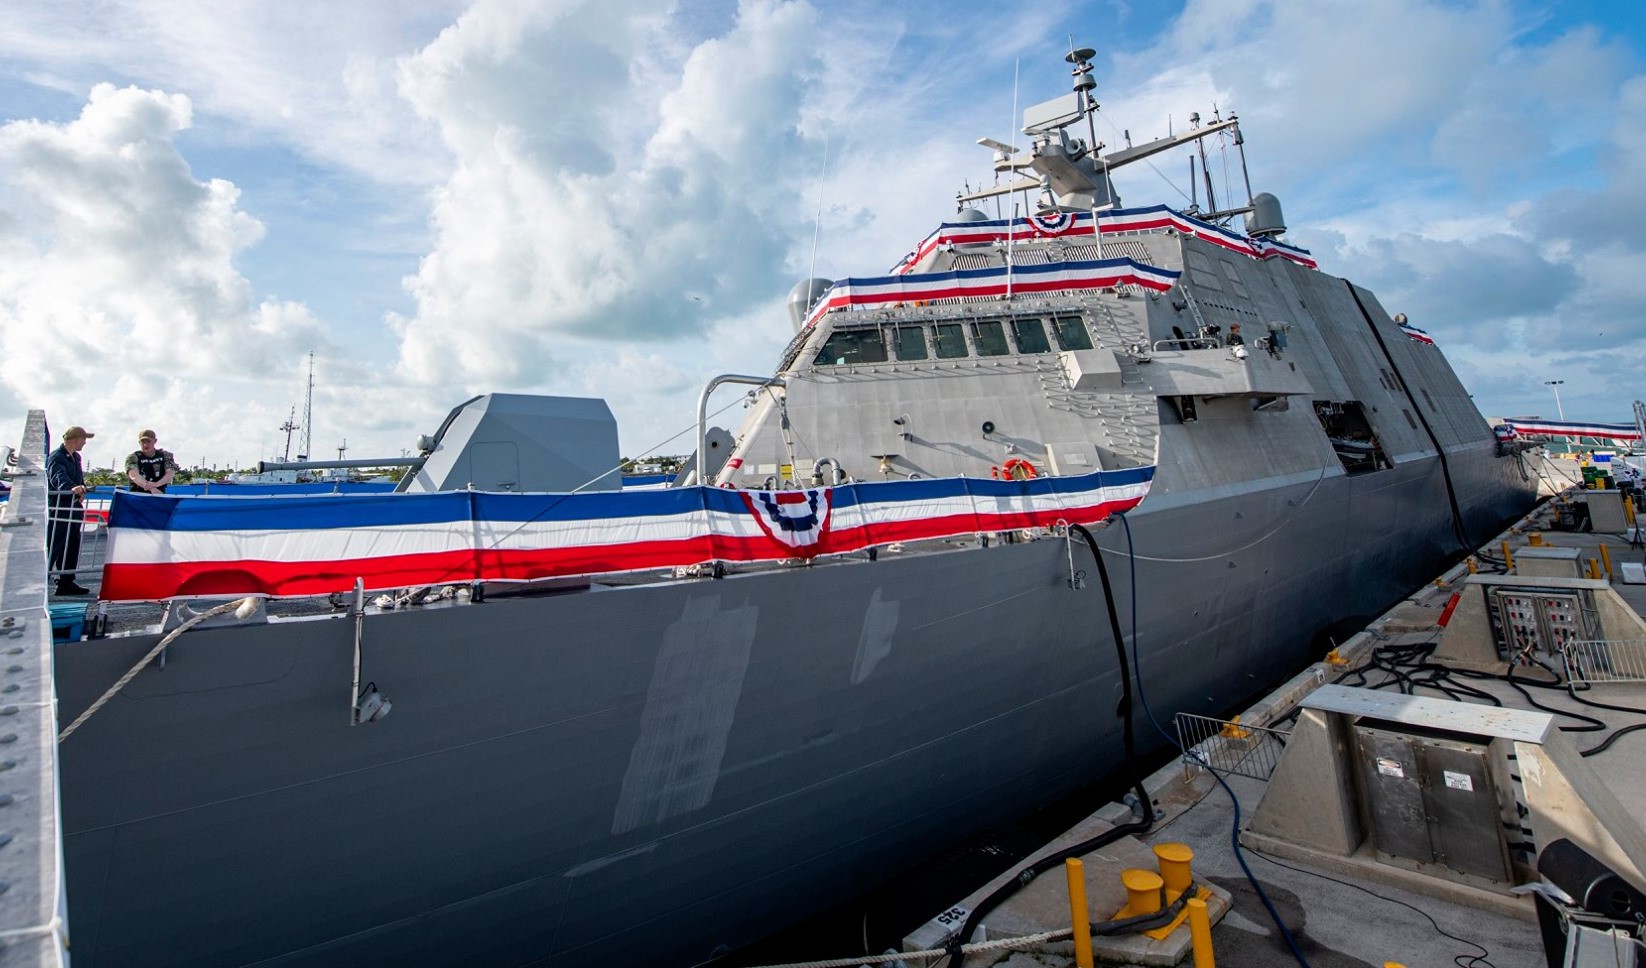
(1556, 384)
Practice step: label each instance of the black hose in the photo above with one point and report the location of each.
(1034, 870)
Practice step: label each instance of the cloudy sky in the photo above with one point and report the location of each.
(441, 198)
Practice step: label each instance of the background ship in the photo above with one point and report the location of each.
(659, 767)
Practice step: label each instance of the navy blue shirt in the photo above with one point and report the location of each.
(63, 470)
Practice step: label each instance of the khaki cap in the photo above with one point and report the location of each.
(147, 435)
(76, 432)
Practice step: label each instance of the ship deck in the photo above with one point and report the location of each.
(1343, 911)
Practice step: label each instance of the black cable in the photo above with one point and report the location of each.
(1462, 961)
(1143, 698)
(955, 945)
(1460, 530)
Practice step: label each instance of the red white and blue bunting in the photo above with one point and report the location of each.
(1070, 226)
(161, 546)
(1412, 332)
(1563, 428)
(992, 282)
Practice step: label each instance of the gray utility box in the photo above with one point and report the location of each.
(1548, 562)
(1430, 798)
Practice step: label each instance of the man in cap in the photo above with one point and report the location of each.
(66, 486)
(149, 468)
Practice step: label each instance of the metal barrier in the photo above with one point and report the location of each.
(1228, 746)
(1189, 343)
(1593, 661)
(77, 534)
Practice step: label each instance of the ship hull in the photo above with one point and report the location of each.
(656, 774)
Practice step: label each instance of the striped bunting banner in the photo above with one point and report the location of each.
(991, 282)
(161, 546)
(1563, 428)
(1072, 226)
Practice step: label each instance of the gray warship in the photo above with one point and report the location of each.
(657, 755)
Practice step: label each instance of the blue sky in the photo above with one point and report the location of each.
(443, 198)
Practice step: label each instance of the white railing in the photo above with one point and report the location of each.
(1593, 661)
(1229, 746)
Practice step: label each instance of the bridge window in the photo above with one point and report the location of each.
(951, 341)
(910, 342)
(1071, 333)
(853, 346)
(1030, 335)
(991, 338)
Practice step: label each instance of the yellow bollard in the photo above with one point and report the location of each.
(1629, 510)
(1508, 559)
(1474, 566)
(1142, 890)
(1534, 538)
(1200, 932)
(1594, 567)
(1174, 867)
(1079, 918)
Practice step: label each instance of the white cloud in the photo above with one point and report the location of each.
(604, 216)
(118, 288)
(315, 75)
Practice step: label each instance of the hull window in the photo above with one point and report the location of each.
(991, 338)
(1071, 333)
(853, 346)
(1030, 335)
(911, 343)
(950, 339)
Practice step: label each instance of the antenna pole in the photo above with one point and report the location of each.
(817, 226)
(308, 413)
(288, 427)
(1240, 145)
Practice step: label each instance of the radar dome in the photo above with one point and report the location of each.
(1265, 219)
(804, 296)
(972, 215)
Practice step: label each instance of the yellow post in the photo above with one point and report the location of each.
(1629, 510)
(1474, 566)
(1200, 933)
(1606, 559)
(1508, 559)
(1142, 890)
(1079, 918)
(1594, 567)
(1534, 538)
(1173, 860)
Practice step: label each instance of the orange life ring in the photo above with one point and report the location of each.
(1017, 469)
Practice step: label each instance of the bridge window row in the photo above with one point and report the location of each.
(911, 342)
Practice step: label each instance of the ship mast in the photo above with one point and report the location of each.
(308, 413)
(288, 427)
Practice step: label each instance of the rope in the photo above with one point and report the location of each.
(1024, 941)
(158, 648)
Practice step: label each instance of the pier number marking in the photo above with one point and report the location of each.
(953, 919)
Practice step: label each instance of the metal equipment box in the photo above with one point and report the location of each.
(1548, 562)
(1431, 799)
